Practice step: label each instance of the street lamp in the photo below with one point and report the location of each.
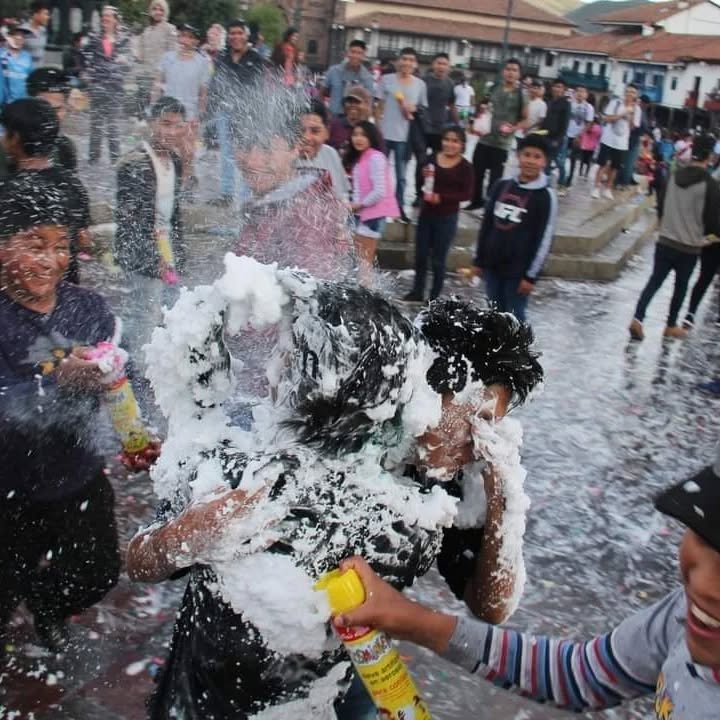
(506, 33)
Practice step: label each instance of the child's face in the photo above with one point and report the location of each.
(532, 162)
(35, 260)
(452, 144)
(265, 168)
(700, 570)
(17, 40)
(449, 445)
(360, 141)
(314, 135)
(187, 41)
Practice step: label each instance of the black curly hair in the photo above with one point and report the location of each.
(474, 344)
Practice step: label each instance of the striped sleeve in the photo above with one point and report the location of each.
(545, 243)
(592, 675)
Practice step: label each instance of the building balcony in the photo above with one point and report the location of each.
(386, 53)
(654, 93)
(487, 65)
(594, 83)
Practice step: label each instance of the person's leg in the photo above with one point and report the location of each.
(709, 266)
(400, 150)
(423, 240)
(629, 162)
(110, 111)
(683, 264)
(227, 159)
(494, 290)
(574, 152)
(514, 301)
(81, 555)
(560, 160)
(445, 229)
(96, 121)
(16, 558)
(481, 164)
(497, 165)
(662, 265)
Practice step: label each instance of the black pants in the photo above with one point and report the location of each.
(104, 109)
(575, 154)
(487, 158)
(586, 157)
(667, 259)
(433, 238)
(60, 557)
(709, 266)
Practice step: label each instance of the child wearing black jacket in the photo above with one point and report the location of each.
(517, 230)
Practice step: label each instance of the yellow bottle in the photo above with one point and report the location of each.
(373, 654)
(125, 416)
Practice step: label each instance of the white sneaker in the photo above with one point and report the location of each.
(595, 194)
(607, 194)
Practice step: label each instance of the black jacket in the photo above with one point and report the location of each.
(230, 79)
(557, 119)
(106, 75)
(517, 230)
(135, 248)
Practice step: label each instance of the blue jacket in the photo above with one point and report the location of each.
(517, 230)
(15, 71)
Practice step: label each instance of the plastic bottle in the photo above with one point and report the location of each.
(124, 411)
(428, 187)
(167, 256)
(373, 654)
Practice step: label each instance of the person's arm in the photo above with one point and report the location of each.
(486, 226)
(204, 86)
(711, 209)
(565, 119)
(546, 238)
(596, 674)
(164, 548)
(523, 122)
(617, 113)
(460, 188)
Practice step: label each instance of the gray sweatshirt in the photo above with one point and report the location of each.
(689, 209)
(646, 654)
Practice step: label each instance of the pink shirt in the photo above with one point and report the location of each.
(590, 138)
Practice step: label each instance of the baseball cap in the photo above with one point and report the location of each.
(186, 27)
(358, 93)
(695, 502)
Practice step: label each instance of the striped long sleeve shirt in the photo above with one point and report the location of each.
(646, 654)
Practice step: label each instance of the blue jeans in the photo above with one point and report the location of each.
(400, 152)
(630, 159)
(558, 155)
(503, 295)
(228, 170)
(433, 239)
(667, 259)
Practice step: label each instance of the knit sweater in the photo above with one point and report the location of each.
(646, 654)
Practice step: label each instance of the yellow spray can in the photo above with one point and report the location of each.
(373, 654)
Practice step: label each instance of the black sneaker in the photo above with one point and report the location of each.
(53, 634)
(413, 297)
(222, 201)
(404, 218)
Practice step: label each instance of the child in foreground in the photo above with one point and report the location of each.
(671, 649)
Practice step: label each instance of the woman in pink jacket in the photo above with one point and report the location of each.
(373, 194)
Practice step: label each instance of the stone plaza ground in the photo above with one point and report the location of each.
(616, 422)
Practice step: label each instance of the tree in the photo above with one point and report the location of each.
(203, 14)
(269, 20)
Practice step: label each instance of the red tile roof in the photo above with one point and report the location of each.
(416, 25)
(604, 43)
(522, 10)
(665, 47)
(650, 13)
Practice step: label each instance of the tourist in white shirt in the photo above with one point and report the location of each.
(464, 99)
(620, 116)
(537, 107)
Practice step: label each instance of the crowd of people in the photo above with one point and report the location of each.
(312, 172)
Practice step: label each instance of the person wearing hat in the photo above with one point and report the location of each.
(16, 64)
(349, 73)
(517, 229)
(185, 75)
(57, 526)
(689, 211)
(357, 108)
(670, 650)
(158, 38)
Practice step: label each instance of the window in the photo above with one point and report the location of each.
(576, 66)
(674, 82)
(588, 68)
(549, 59)
(312, 47)
(460, 49)
(625, 77)
(602, 70)
(639, 79)
(658, 80)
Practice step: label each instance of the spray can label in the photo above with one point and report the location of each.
(125, 416)
(384, 674)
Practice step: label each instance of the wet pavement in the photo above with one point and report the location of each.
(616, 422)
